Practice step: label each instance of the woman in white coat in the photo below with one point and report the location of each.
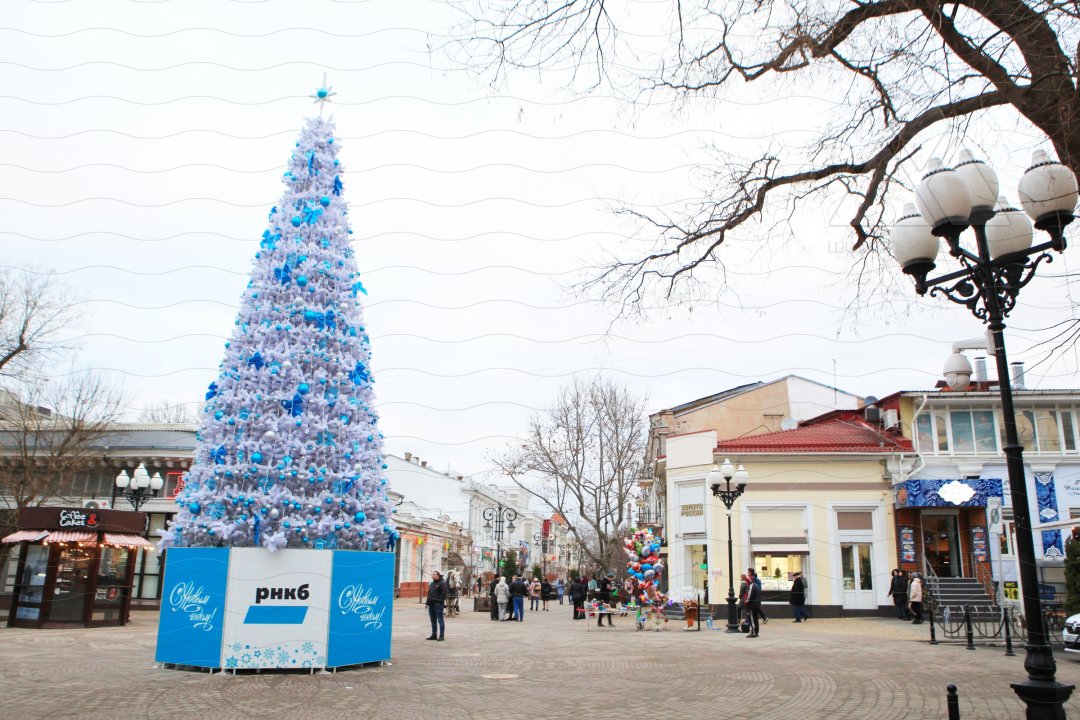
(502, 597)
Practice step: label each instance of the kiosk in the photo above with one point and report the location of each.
(75, 566)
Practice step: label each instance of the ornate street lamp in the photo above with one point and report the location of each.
(140, 487)
(988, 283)
(542, 542)
(728, 496)
(499, 514)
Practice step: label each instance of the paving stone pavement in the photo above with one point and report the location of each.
(546, 668)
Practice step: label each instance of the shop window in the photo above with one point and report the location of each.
(941, 423)
(33, 582)
(963, 433)
(1068, 429)
(776, 570)
(699, 562)
(1046, 425)
(985, 437)
(925, 433)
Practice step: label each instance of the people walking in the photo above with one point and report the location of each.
(898, 588)
(752, 573)
(605, 607)
(578, 591)
(753, 604)
(545, 593)
(518, 591)
(915, 598)
(798, 597)
(560, 589)
(534, 594)
(491, 594)
(436, 604)
(502, 597)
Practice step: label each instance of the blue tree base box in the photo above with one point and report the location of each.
(248, 608)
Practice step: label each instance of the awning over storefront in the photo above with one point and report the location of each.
(25, 535)
(961, 492)
(126, 540)
(779, 545)
(57, 536)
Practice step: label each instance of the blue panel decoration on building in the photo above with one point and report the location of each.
(193, 607)
(926, 493)
(361, 607)
(1046, 496)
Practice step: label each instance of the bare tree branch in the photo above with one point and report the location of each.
(582, 458)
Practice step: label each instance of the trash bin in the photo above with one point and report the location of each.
(482, 603)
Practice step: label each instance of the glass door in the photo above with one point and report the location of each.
(72, 584)
(941, 545)
(699, 562)
(858, 574)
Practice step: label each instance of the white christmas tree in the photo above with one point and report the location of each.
(288, 451)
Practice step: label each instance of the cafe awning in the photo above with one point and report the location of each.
(58, 536)
(127, 540)
(25, 535)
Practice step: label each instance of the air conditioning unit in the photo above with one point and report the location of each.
(891, 419)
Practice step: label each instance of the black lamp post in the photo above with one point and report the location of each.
(138, 488)
(542, 542)
(1004, 261)
(500, 514)
(728, 496)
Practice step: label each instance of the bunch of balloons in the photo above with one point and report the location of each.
(643, 562)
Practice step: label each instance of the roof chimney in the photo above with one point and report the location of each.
(408, 457)
(423, 463)
(980, 370)
(1018, 375)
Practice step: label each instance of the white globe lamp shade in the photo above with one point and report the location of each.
(1047, 188)
(1008, 232)
(943, 196)
(715, 477)
(741, 476)
(727, 469)
(912, 242)
(957, 370)
(981, 180)
(141, 478)
(156, 483)
(122, 479)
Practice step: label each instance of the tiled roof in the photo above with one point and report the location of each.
(836, 435)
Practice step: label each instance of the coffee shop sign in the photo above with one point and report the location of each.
(77, 518)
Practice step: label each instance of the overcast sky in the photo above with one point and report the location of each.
(143, 145)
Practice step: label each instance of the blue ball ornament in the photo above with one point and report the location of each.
(321, 93)
(218, 415)
(303, 388)
(286, 524)
(194, 508)
(359, 516)
(256, 457)
(324, 201)
(301, 280)
(296, 221)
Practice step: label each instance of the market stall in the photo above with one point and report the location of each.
(75, 566)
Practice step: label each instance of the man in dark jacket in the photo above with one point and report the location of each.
(753, 604)
(436, 603)
(518, 591)
(898, 591)
(578, 591)
(603, 594)
(494, 601)
(798, 598)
